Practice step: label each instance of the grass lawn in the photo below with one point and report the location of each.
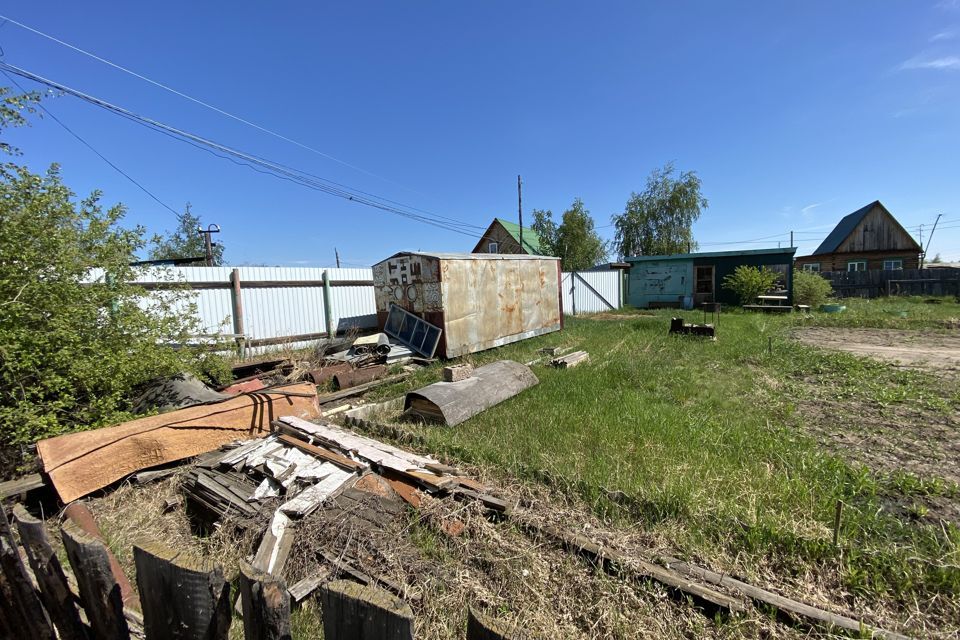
(700, 444)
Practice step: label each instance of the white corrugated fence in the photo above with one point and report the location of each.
(285, 305)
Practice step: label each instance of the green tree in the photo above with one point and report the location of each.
(749, 282)
(574, 241)
(184, 241)
(659, 220)
(810, 288)
(75, 336)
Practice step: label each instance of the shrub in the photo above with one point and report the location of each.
(749, 282)
(76, 337)
(810, 288)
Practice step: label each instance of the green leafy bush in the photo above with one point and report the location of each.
(810, 288)
(749, 282)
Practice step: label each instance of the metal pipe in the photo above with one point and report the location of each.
(327, 311)
(347, 379)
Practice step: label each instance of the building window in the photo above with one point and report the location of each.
(895, 264)
(857, 265)
(493, 247)
(812, 266)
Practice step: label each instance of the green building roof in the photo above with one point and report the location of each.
(531, 241)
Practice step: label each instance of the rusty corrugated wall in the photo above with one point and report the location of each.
(480, 301)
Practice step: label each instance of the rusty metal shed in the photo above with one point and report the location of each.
(479, 301)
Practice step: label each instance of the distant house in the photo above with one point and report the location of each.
(503, 236)
(687, 279)
(866, 240)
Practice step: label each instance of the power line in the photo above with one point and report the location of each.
(201, 102)
(252, 161)
(91, 147)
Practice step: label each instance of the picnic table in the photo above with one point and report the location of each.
(764, 300)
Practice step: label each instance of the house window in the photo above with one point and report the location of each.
(895, 264)
(812, 266)
(857, 265)
(493, 247)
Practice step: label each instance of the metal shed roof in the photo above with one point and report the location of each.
(472, 256)
(788, 251)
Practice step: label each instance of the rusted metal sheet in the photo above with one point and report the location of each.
(353, 377)
(451, 403)
(319, 376)
(479, 301)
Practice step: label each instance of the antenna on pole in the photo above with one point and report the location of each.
(208, 244)
(337, 253)
(520, 211)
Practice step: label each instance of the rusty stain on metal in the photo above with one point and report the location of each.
(353, 377)
(319, 376)
(480, 301)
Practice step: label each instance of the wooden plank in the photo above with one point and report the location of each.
(302, 590)
(20, 486)
(266, 605)
(481, 627)
(350, 441)
(52, 582)
(324, 454)
(85, 461)
(357, 612)
(183, 597)
(99, 590)
(343, 566)
(617, 564)
(787, 605)
(312, 497)
(23, 611)
(275, 546)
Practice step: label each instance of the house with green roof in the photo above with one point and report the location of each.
(503, 236)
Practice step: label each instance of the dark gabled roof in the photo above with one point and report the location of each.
(844, 228)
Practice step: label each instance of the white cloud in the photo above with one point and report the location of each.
(810, 207)
(948, 4)
(945, 63)
(949, 34)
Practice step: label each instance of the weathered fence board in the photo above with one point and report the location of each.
(352, 611)
(183, 598)
(910, 282)
(481, 627)
(25, 615)
(99, 591)
(54, 590)
(266, 605)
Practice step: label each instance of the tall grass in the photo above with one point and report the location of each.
(697, 441)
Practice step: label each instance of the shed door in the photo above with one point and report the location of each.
(703, 284)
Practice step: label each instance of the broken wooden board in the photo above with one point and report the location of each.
(570, 360)
(79, 463)
(451, 403)
(275, 545)
(307, 501)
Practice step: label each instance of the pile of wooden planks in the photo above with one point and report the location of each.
(570, 360)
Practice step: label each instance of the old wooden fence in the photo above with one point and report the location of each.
(903, 282)
(180, 596)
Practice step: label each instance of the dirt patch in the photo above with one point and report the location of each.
(938, 352)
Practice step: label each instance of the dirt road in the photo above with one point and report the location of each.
(937, 352)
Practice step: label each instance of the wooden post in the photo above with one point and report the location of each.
(327, 309)
(99, 591)
(266, 605)
(836, 522)
(352, 611)
(54, 590)
(183, 597)
(23, 614)
(237, 312)
(480, 627)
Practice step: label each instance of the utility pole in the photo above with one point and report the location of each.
(923, 254)
(791, 239)
(337, 253)
(520, 210)
(207, 242)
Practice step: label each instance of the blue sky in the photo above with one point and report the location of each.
(793, 114)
